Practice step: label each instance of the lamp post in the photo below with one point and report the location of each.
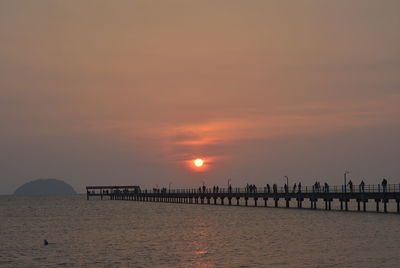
(287, 183)
(345, 180)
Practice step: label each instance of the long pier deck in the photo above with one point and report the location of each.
(260, 196)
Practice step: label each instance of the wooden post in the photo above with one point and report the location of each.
(385, 205)
(398, 205)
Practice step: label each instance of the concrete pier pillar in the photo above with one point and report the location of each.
(265, 201)
(202, 200)
(346, 204)
(208, 200)
(358, 205)
(385, 201)
(230, 201)
(276, 199)
(215, 200)
(377, 204)
(222, 200)
(398, 205)
(237, 201)
(246, 199)
(255, 201)
(287, 202)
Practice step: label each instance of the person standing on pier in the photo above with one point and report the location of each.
(294, 187)
(326, 187)
(361, 186)
(299, 187)
(351, 186)
(268, 188)
(384, 184)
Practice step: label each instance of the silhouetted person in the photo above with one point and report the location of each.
(361, 186)
(275, 188)
(204, 188)
(326, 185)
(268, 188)
(230, 188)
(299, 187)
(384, 185)
(286, 187)
(45, 242)
(294, 187)
(351, 186)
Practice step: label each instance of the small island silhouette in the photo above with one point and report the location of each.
(45, 187)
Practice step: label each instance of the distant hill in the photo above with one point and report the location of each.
(45, 187)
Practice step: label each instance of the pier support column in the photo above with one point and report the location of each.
(346, 204)
(377, 204)
(276, 199)
(222, 200)
(237, 201)
(255, 201)
(202, 200)
(365, 205)
(398, 205)
(287, 202)
(358, 205)
(326, 204)
(230, 201)
(246, 199)
(265, 201)
(215, 200)
(208, 200)
(341, 204)
(385, 201)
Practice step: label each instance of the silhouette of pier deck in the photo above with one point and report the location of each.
(307, 197)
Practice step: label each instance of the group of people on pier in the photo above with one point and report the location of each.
(317, 187)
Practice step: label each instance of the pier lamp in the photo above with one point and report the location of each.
(345, 180)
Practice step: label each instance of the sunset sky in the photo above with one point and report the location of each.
(131, 92)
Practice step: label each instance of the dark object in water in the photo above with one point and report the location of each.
(45, 242)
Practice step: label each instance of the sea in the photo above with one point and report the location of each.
(105, 233)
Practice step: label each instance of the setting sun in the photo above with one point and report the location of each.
(198, 162)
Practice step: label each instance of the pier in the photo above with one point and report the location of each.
(307, 197)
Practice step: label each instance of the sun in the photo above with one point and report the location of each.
(198, 162)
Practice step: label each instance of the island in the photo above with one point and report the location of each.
(45, 187)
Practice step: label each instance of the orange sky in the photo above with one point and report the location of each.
(129, 92)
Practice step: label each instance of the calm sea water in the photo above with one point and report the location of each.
(130, 234)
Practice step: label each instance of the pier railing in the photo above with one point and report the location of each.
(369, 188)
